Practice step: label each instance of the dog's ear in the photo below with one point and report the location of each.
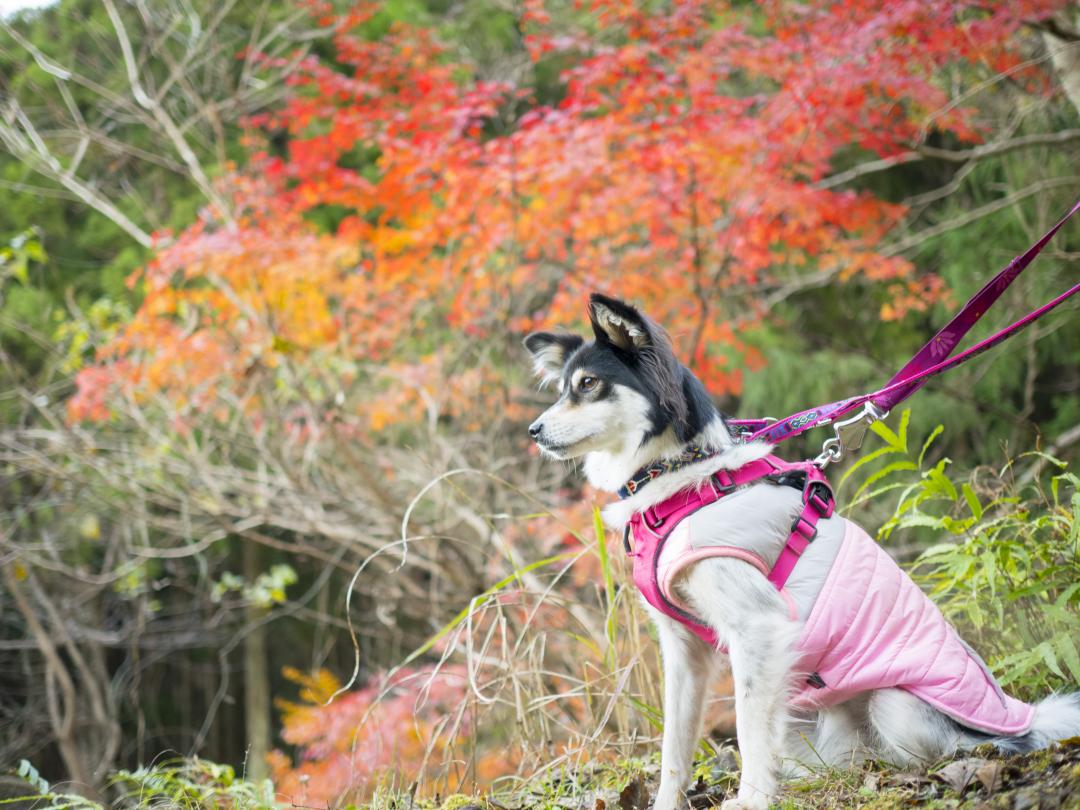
(620, 324)
(549, 353)
(648, 348)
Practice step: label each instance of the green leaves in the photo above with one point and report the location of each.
(191, 784)
(267, 590)
(972, 501)
(1004, 565)
(895, 445)
(15, 257)
(44, 797)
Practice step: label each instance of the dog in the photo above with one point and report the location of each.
(626, 402)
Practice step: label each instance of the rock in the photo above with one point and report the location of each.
(724, 763)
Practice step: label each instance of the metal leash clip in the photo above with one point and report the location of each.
(849, 435)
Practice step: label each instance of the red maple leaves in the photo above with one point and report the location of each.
(679, 165)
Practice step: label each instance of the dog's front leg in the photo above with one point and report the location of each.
(689, 667)
(749, 614)
(760, 673)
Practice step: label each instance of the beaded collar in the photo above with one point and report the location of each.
(690, 455)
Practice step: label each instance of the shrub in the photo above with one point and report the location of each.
(1001, 561)
(176, 784)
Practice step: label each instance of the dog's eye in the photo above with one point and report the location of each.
(587, 384)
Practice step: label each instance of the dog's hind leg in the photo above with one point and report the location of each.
(748, 612)
(908, 731)
(835, 738)
(689, 668)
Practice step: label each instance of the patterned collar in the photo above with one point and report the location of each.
(690, 455)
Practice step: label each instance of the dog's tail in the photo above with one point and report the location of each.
(1056, 718)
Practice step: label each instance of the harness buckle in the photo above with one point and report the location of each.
(626, 539)
(789, 478)
(645, 517)
(820, 496)
(797, 526)
(718, 482)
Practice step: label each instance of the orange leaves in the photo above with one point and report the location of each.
(314, 689)
(421, 210)
(915, 295)
(388, 728)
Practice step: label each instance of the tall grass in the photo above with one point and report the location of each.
(561, 671)
(558, 667)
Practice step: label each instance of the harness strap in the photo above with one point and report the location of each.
(818, 503)
(720, 483)
(651, 527)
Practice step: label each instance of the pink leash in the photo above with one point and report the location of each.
(651, 528)
(928, 362)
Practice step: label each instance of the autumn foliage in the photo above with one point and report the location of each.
(403, 218)
(679, 162)
(384, 731)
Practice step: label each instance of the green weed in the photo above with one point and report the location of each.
(998, 551)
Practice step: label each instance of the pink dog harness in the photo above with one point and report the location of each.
(870, 627)
(652, 527)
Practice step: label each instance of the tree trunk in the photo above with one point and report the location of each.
(256, 676)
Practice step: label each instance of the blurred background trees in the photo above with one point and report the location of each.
(264, 270)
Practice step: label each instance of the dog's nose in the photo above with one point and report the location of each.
(536, 428)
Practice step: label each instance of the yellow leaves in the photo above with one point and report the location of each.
(283, 345)
(90, 527)
(392, 240)
(218, 307)
(315, 689)
(379, 417)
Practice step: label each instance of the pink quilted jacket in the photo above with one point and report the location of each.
(871, 627)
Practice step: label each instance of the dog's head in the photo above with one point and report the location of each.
(617, 391)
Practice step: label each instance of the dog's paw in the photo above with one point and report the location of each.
(668, 801)
(759, 801)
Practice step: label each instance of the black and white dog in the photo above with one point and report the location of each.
(626, 401)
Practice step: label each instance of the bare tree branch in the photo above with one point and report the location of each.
(952, 155)
(1063, 442)
(188, 115)
(21, 139)
(162, 117)
(916, 239)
